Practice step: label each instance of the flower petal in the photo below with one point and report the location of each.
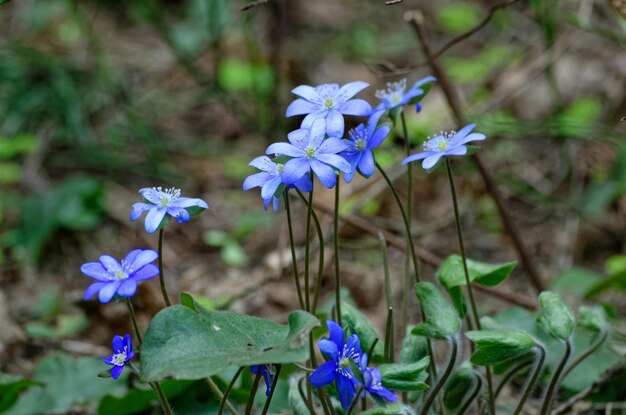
(325, 173)
(146, 272)
(418, 156)
(334, 160)
(308, 121)
(285, 149)
(187, 202)
(108, 291)
(328, 347)
(181, 214)
(305, 184)
(307, 92)
(110, 263)
(336, 333)
(353, 342)
(150, 194)
(257, 180)
(458, 151)
(378, 137)
(270, 187)
(95, 270)
(107, 360)
(116, 371)
(349, 90)
(332, 145)
(334, 124)
(138, 209)
(294, 170)
(372, 122)
(154, 218)
(301, 106)
(93, 289)
(144, 258)
(471, 137)
(299, 138)
(460, 135)
(327, 91)
(130, 257)
(324, 374)
(366, 164)
(346, 390)
(355, 107)
(430, 161)
(117, 344)
(317, 133)
(265, 164)
(128, 288)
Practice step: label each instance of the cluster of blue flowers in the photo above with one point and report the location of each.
(318, 148)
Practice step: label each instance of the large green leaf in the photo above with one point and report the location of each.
(458, 386)
(358, 324)
(497, 346)
(184, 343)
(452, 276)
(139, 400)
(413, 348)
(10, 388)
(555, 317)
(441, 319)
(394, 409)
(405, 376)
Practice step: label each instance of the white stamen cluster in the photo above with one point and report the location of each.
(439, 142)
(119, 359)
(394, 91)
(123, 273)
(167, 196)
(360, 138)
(344, 361)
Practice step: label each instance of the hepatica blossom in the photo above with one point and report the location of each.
(396, 95)
(118, 278)
(338, 367)
(310, 151)
(329, 103)
(168, 202)
(122, 353)
(360, 145)
(268, 376)
(372, 380)
(269, 179)
(445, 144)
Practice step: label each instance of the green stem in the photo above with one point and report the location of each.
(221, 396)
(336, 245)
(602, 336)
(355, 400)
(294, 260)
(305, 399)
(508, 376)
(307, 251)
(161, 277)
(255, 386)
(389, 332)
(468, 282)
(533, 380)
(133, 318)
(442, 381)
(389, 336)
(547, 400)
(162, 399)
(470, 399)
(272, 389)
(409, 214)
(228, 389)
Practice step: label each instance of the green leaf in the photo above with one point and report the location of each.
(19, 144)
(394, 409)
(555, 317)
(498, 346)
(10, 388)
(413, 348)
(233, 254)
(452, 276)
(459, 385)
(592, 317)
(457, 18)
(577, 281)
(405, 376)
(139, 400)
(184, 344)
(358, 324)
(441, 319)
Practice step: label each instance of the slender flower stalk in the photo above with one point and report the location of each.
(533, 379)
(600, 339)
(255, 386)
(442, 380)
(336, 246)
(161, 277)
(470, 399)
(355, 400)
(409, 213)
(509, 375)
(307, 252)
(162, 399)
(294, 260)
(389, 332)
(266, 407)
(133, 319)
(221, 396)
(468, 282)
(227, 391)
(554, 382)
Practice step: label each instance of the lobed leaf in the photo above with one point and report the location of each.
(498, 346)
(406, 376)
(441, 319)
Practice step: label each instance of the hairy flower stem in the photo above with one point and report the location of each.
(162, 399)
(389, 332)
(255, 386)
(266, 407)
(294, 260)
(161, 277)
(228, 389)
(468, 282)
(442, 380)
(219, 395)
(470, 399)
(409, 214)
(547, 400)
(602, 336)
(307, 251)
(336, 246)
(133, 319)
(508, 376)
(533, 379)
(355, 400)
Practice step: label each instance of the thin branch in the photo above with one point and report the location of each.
(252, 4)
(565, 407)
(392, 2)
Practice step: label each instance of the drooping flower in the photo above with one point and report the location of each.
(119, 278)
(372, 379)
(445, 144)
(338, 367)
(310, 151)
(269, 179)
(165, 202)
(329, 103)
(360, 145)
(268, 376)
(122, 353)
(395, 96)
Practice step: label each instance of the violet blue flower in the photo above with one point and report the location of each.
(122, 353)
(268, 376)
(372, 379)
(360, 145)
(269, 179)
(310, 151)
(329, 102)
(445, 144)
(165, 202)
(395, 96)
(338, 367)
(120, 278)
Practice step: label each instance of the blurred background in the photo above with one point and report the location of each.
(99, 98)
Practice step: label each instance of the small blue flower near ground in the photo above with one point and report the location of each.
(122, 353)
(372, 379)
(120, 278)
(310, 151)
(445, 144)
(395, 96)
(165, 202)
(268, 376)
(338, 367)
(329, 102)
(269, 179)
(360, 145)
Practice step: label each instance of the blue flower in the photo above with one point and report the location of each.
(270, 179)
(162, 202)
(329, 103)
(395, 96)
(268, 376)
(119, 278)
(360, 145)
(445, 144)
(310, 151)
(372, 379)
(338, 367)
(122, 353)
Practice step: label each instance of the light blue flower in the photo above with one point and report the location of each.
(165, 202)
(360, 145)
(329, 102)
(372, 380)
(445, 144)
(122, 353)
(396, 96)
